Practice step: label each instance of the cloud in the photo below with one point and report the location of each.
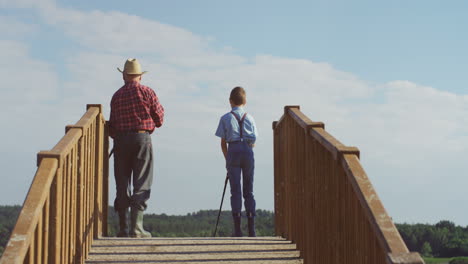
(27, 4)
(408, 133)
(41, 82)
(12, 28)
(120, 33)
(416, 118)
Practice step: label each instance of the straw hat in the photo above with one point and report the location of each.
(132, 66)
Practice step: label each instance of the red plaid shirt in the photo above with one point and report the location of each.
(135, 107)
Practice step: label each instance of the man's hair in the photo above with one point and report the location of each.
(131, 76)
(238, 96)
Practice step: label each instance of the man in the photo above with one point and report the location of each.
(135, 113)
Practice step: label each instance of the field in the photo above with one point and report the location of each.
(437, 260)
(442, 260)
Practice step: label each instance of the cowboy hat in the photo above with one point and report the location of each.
(132, 66)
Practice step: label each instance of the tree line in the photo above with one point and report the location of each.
(444, 239)
(8, 216)
(199, 224)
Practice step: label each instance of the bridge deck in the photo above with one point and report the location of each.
(194, 250)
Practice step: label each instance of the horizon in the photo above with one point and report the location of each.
(269, 211)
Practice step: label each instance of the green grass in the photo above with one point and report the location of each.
(437, 260)
(441, 260)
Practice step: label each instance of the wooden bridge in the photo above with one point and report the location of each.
(326, 210)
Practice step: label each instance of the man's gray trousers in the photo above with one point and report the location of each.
(133, 162)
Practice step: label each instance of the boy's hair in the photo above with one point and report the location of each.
(238, 96)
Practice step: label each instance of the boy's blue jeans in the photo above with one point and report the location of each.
(240, 159)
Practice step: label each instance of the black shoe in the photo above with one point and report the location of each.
(251, 225)
(237, 225)
(122, 233)
(123, 223)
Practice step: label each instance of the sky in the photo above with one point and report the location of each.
(386, 76)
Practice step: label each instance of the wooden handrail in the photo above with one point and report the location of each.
(324, 201)
(66, 206)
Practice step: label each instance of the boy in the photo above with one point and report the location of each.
(238, 134)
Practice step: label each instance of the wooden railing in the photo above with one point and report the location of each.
(324, 201)
(66, 206)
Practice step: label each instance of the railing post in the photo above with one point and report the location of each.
(105, 178)
(277, 182)
(98, 171)
(56, 220)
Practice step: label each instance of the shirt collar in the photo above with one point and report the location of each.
(132, 83)
(237, 108)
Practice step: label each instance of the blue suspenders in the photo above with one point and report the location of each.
(241, 124)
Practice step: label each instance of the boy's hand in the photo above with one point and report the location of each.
(224, 147)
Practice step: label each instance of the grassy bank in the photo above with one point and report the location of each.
(437, 260)
(444, 260)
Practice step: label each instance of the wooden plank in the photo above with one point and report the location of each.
(46, 215)
(38, 244)
(280, 122)
(303, 121)
(86, 169)
(66, 208)
(223, 261)
(89, 191)
(55, 244)
(316, 130)
(105, 182)
(27, 258)
(327, 140)
(32, 248)
(99, 159)
(80, 203)
(166, 249)
(88, 118)
(63, 147)
(413, 258)
(115, 241)
(194, 250)
(277, 181)
(234, 254)
(74, 207)
(92, 180)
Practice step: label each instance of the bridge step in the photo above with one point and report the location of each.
(194, 250)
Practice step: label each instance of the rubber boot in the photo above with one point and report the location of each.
(136, 224)
(237, 225)
(251, 225)
(123, 223)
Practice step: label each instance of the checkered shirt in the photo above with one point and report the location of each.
(135, 107)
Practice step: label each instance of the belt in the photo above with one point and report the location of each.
(240, 141)
(132, 132)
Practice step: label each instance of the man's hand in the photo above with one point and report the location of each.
(110, 130)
